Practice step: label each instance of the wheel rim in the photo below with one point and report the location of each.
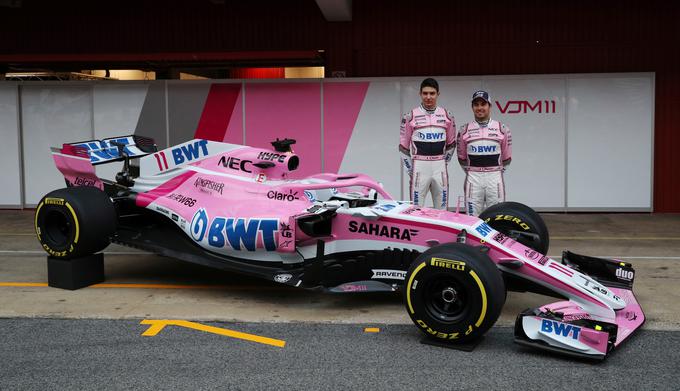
(446, 299)
(57, 228)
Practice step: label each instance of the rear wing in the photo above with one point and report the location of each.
(107, 150)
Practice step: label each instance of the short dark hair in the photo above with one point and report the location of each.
(429, 82)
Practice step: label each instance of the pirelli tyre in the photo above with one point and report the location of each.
(516, 220)
(75, 222)
(454, 292)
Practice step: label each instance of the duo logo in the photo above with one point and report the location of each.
(560, 329)
(238, 233)
(190, 152)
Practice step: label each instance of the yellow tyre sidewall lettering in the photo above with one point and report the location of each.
(410, 283)
(513, 219)
(37, 229)
(57, 202)
(447, 264)
(482, 291)
(436, 333)
(436, 262)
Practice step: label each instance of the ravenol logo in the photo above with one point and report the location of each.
(483, 229)
(190, 152)
(238, 233)
(560, 329)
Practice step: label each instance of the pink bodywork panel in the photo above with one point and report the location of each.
(74, 164)
(627, 319)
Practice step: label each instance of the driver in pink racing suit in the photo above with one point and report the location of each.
(427, 141)
(484, 150)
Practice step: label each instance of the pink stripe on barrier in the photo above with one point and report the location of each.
(217, 112)
(341, 106)
(291, 110)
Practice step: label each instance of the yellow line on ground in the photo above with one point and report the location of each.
(156, 325)
(613, 238)
(152, 286)
(158, 286)
(371, 330)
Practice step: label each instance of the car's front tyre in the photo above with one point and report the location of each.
(454, 292)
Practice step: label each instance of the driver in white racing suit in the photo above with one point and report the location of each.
(484, 150)
(427, 142)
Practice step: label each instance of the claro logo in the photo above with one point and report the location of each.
(525, 106)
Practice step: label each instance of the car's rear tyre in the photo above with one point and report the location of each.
(507, 217)
(454, 292)
(75, 222)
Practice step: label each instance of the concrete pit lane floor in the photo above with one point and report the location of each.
(217, 321)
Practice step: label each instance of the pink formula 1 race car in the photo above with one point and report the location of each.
(236, 208)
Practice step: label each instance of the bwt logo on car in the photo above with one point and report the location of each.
(483, 229)
(100, 150)
(525, 106)
(190, 152)
(239, 233)
(560, 329)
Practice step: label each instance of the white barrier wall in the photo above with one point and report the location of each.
(51, 115)
(580, 142)
(610, 142)
(10, 175)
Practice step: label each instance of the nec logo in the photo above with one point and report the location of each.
(190, 152)
(524, 106)
(560, 329)
(430, 136)
(483, 148)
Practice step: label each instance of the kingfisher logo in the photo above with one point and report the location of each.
(525, 106)
(560, 329)
(237, 233)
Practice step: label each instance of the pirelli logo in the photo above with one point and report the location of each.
(448, 264)
(54, 201)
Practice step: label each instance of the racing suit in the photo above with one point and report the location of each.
(429, 136)
(484, 149)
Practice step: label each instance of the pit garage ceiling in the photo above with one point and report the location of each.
(336, 10)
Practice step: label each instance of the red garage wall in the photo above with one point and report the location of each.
(392, 38)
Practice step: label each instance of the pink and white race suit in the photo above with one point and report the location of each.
(430, 137)
(483, 151)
